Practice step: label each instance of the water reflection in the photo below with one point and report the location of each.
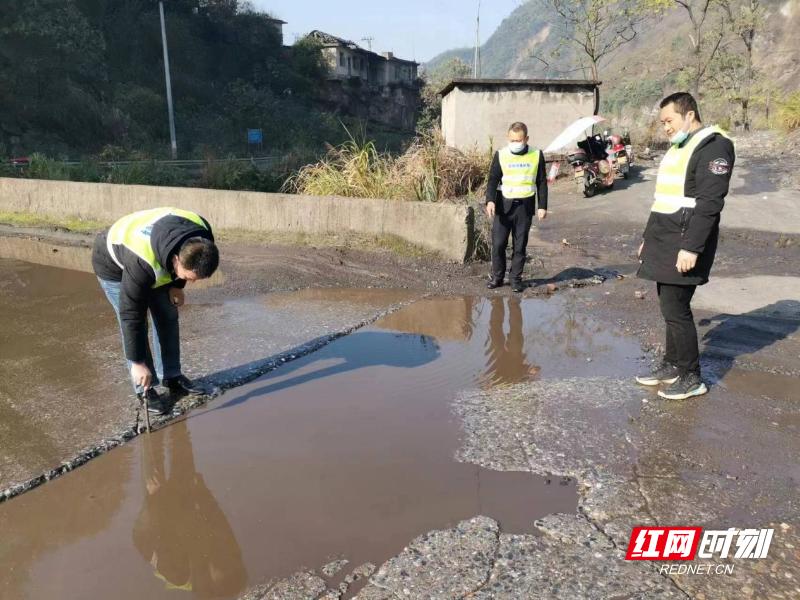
(33, 526)
(506, 360)
(345, 452)
(181, 531)
(445, 319)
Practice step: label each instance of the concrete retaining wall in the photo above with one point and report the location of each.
(447, 229)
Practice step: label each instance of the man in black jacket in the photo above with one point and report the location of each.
(517, 182)
(142, 263)
(680, 239)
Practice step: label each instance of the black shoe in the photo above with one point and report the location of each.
(183, 386)
(517, 287)
(494, 284)
(663, 373)
(155, 403)
(686, 386)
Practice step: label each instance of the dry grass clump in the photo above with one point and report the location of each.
(789, 112)
(431, 171)
(428, 171)
(354, 169)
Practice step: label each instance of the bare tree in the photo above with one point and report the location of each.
(708, 23)
(600, 27)
(747, 19)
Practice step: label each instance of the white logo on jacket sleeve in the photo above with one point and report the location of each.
(719, 166)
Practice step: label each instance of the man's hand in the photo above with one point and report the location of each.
(176, 296)
(541, 214)
(686, 261)
(490, 209)
(141, 375)
(152, 484)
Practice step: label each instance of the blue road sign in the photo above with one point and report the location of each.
(254, 136)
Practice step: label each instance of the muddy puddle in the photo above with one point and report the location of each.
(62, 385)
(52, 343)
(347, 453)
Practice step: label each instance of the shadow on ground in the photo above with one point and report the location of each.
(737, 335)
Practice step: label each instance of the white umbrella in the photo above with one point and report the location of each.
(573, 132)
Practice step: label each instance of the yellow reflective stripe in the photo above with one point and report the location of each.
(110, 248)
(669, 190)
(670, 179)
(680, 201)
(515, 193)
(668, 204)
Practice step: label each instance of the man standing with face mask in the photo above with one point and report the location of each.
(680, 239)
(517, 183)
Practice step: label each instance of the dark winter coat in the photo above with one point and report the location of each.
(693, 229)
(137, 278)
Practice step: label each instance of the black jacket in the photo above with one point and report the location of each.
(493, 194)
(137, 277)
(696, 230)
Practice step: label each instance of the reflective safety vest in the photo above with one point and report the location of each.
(519, 173)
(133, 231)
(671, 181)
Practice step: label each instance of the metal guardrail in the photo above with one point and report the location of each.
(260, 161)
(255, 161)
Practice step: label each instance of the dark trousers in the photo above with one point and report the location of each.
(513, 218)
(164, 361)
(681, 347)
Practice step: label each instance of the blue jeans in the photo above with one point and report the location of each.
(164, 361)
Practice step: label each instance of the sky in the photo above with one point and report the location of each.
(412, 29)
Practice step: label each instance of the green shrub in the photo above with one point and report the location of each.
(238, 175)
(42, 167)
(7, 169)
(88, 170)
(146, 173)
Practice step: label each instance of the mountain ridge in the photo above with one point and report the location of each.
(528, 44)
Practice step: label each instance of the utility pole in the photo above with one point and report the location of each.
(173, 142)
(476, 66)
(369, 41)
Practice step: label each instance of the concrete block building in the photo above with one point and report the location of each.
(477, 112)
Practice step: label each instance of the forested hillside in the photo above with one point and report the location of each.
(536, 41)
(81, 77)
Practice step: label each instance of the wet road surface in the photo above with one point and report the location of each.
(348, 452)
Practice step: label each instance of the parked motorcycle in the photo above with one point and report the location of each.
(593, 170)
(618, 156)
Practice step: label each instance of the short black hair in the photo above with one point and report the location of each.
(684, 102)
(199, 255)
(519, 126)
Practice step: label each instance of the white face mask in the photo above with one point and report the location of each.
(517, 147)
(680, 136)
